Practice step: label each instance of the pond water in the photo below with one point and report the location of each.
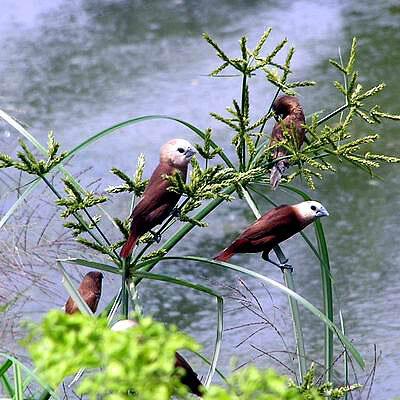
(77, 67)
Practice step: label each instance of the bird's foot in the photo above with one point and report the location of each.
(156, 236)
(285, 266)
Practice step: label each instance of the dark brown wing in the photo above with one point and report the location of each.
(157, 202)
(275, 226)
(189, 378)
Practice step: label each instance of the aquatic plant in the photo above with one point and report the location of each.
(330, 141)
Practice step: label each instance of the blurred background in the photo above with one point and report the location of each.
(79, 66)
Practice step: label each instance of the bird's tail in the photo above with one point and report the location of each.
(276, 173)
(224, 255)
(127, 248)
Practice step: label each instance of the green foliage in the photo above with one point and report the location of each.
(136, 363)
(254, 384)
(136, 185)
(29, 163)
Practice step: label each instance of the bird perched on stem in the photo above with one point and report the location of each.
(290, 112)
(189, 377)
(90, 290)
(275, 226)
(157, 201)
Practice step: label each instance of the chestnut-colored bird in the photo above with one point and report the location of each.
(290, 112)
(157, 201)
(275, 226)
(189, 377)
(90, 290)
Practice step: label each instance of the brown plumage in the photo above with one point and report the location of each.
(189, 377)
(289, 109)
(90, 290)
(275, 226)
(158, 202)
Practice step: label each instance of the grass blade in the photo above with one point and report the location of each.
(294, 308)
(19, 393)
(4, 378)
(32, 186)
(92, 264)
(310, 307)
(220, 312)
(28, 371)
(327, 290)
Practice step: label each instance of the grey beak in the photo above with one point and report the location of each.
(189, 153)
(322, 212)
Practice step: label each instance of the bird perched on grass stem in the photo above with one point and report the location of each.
(90, 290)
(275, 226)
(189, 377)
(288, 109)
(157, 201)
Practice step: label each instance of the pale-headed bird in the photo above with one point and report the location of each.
(157, 201)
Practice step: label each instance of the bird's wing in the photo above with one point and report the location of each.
(156, 194)
(274, 222)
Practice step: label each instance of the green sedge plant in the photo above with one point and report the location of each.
(214, 180)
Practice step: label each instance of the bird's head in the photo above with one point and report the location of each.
(284, 105)
(97, 276)
(177, 152)
(311, 210)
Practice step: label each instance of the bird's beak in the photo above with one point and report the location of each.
(189, 153)
(322, 212)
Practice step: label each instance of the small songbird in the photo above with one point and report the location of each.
(189, 377)
(157, 201)
(290, 112)
(90, 290)
(275, 226)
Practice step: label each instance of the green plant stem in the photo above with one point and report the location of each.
(332, 114)
(178, 236)
(294, 307)
(125, 299)
(243, 142)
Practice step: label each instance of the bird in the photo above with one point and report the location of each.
(157, 201)
(272, 228)
(90, 290)
(290, 112)
(188, 378)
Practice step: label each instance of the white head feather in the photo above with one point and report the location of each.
(310, 210)
(177, 152)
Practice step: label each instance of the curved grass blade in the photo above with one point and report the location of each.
(32, 374)
(18, 390)
(310, 307)
(294, 308)
(70, 288)
(4, 378)
(94, 138)
(220, 313)
(327, 290)
(91, 264)
(32, 186)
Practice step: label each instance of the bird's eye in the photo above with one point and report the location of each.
(181, 149)
(313, 208)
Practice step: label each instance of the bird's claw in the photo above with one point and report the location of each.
(156, 236)
(285, 266)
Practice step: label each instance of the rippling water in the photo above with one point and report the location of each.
(77, 67)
